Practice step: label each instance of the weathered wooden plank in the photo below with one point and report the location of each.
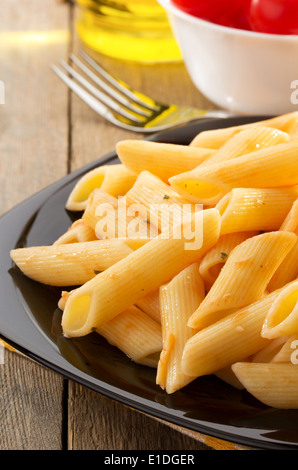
(33, 154)
(31, 413)
(33, 120)
(99, 423)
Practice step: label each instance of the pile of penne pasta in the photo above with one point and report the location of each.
(229, 306)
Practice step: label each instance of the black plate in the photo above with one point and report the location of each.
(30, 321)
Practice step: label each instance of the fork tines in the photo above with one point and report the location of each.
(104, 93)
(120, 104)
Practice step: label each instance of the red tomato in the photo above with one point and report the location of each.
(232, 13)
(204, 9)
(274, 16)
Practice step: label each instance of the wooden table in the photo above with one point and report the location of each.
(46, 132)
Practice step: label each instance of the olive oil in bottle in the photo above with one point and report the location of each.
(132, 30)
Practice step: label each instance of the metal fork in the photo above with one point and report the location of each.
(121, 105)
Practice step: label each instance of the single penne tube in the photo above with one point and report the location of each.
(246, 141)
(78, 232)
(215, 138)
(288, 270)
(248, 209)
(62, 301)
(142, 272)
(294, 132)
(178, 299)
(157, 202)
(69, 264)
(110, 217)
(96, 199)
(244, 277)
(113, 179)
(288, 351)
(136, 334)
(275, 385)
(214, 259)
(267, 353)
(161, 159)
(229, 340)
(290, 223)
(150, 304)
(282, 317)
(271, 167)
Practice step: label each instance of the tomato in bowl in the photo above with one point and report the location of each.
(235, 66)
(234, 13)
(274, 16)
(264, 16)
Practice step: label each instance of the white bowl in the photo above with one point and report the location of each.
(242, 71)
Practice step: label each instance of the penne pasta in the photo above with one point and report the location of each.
(96, 199)
(161, 159)
(293, 133)
(231, 339)
(248, 209)
(288, 270)
(78, 232)
(178, 299)
(62, 301)
(247, 141)
(136, 334)
(267, 353)
(260, 169)
(69, 264)
(244, 277)
(282, 318)
(185, 258)
(275, 385)
(288, 351)
(157, 202)
(112, 179)
(150, 305)
(122, 222)
(111, 217)
(142, 272)
(214, 139)
(290, 224)
(213, 261)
